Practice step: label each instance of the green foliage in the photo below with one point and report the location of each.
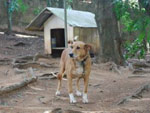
(37, 10)
(16, 5)
(135, 48)
(135, 20)
(69, 3)
(21, 6)
(12, 6)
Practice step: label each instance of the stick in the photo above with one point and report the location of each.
(7, 89)
(51, 75)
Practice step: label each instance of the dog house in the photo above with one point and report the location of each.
(79, 23)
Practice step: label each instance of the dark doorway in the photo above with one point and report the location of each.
(58, 38)
(57, 41)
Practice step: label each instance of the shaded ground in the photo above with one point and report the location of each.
(106, 88)
(12, 46)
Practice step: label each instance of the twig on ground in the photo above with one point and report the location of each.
(136, 94)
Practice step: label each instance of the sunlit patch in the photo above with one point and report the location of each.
(2, 33)
(22, 35)
(25, 36)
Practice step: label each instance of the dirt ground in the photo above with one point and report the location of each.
(106, 88)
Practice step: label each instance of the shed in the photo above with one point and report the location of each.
(79, 23)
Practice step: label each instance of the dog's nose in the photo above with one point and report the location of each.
(71, 55)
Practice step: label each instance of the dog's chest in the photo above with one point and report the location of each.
(79, 69)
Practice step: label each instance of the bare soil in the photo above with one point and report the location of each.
(106, 88)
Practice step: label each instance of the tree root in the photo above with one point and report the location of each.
(26, 81)
(5, 61)
(136, 94)
(33, 65)
(37, 56)
(136, 63)
(141, 70)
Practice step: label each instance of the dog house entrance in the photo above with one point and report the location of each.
(57, 41)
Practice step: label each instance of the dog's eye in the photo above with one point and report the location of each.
(78, 47)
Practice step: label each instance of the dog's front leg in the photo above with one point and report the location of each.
(58, 87)
(71, 96)
(85, 96)
(78, 93)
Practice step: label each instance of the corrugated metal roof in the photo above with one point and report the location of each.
(74, 18)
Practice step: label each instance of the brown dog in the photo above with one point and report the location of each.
(75, 63)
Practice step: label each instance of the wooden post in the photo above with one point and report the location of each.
(65, 21)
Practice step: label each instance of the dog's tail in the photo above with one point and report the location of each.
(59, 76)
(62, 70)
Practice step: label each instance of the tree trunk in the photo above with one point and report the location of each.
(61, 3)
(110, 40)
(57, 3)
(9, 18)
(48, 3)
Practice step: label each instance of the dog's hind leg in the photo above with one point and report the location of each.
(59, 77)
(58, 86)
(78, 93)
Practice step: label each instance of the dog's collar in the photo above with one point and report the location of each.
(84, 60)
(83, 63)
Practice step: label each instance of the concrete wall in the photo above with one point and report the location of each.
(54, 23)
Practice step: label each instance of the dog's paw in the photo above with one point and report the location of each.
(47, 112)
(57, 93)
(72, 99)
(85, 98)
(78, 93)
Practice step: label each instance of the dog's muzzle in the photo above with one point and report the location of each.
(71, 55)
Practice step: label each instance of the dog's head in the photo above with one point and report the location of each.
(79, 50)
(70, 42)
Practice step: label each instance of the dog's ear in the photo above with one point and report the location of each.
(70, 42)
(88, 46)
(75, 38)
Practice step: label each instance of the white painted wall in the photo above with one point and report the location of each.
(54, 23)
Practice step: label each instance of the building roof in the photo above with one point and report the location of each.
(74, 18)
